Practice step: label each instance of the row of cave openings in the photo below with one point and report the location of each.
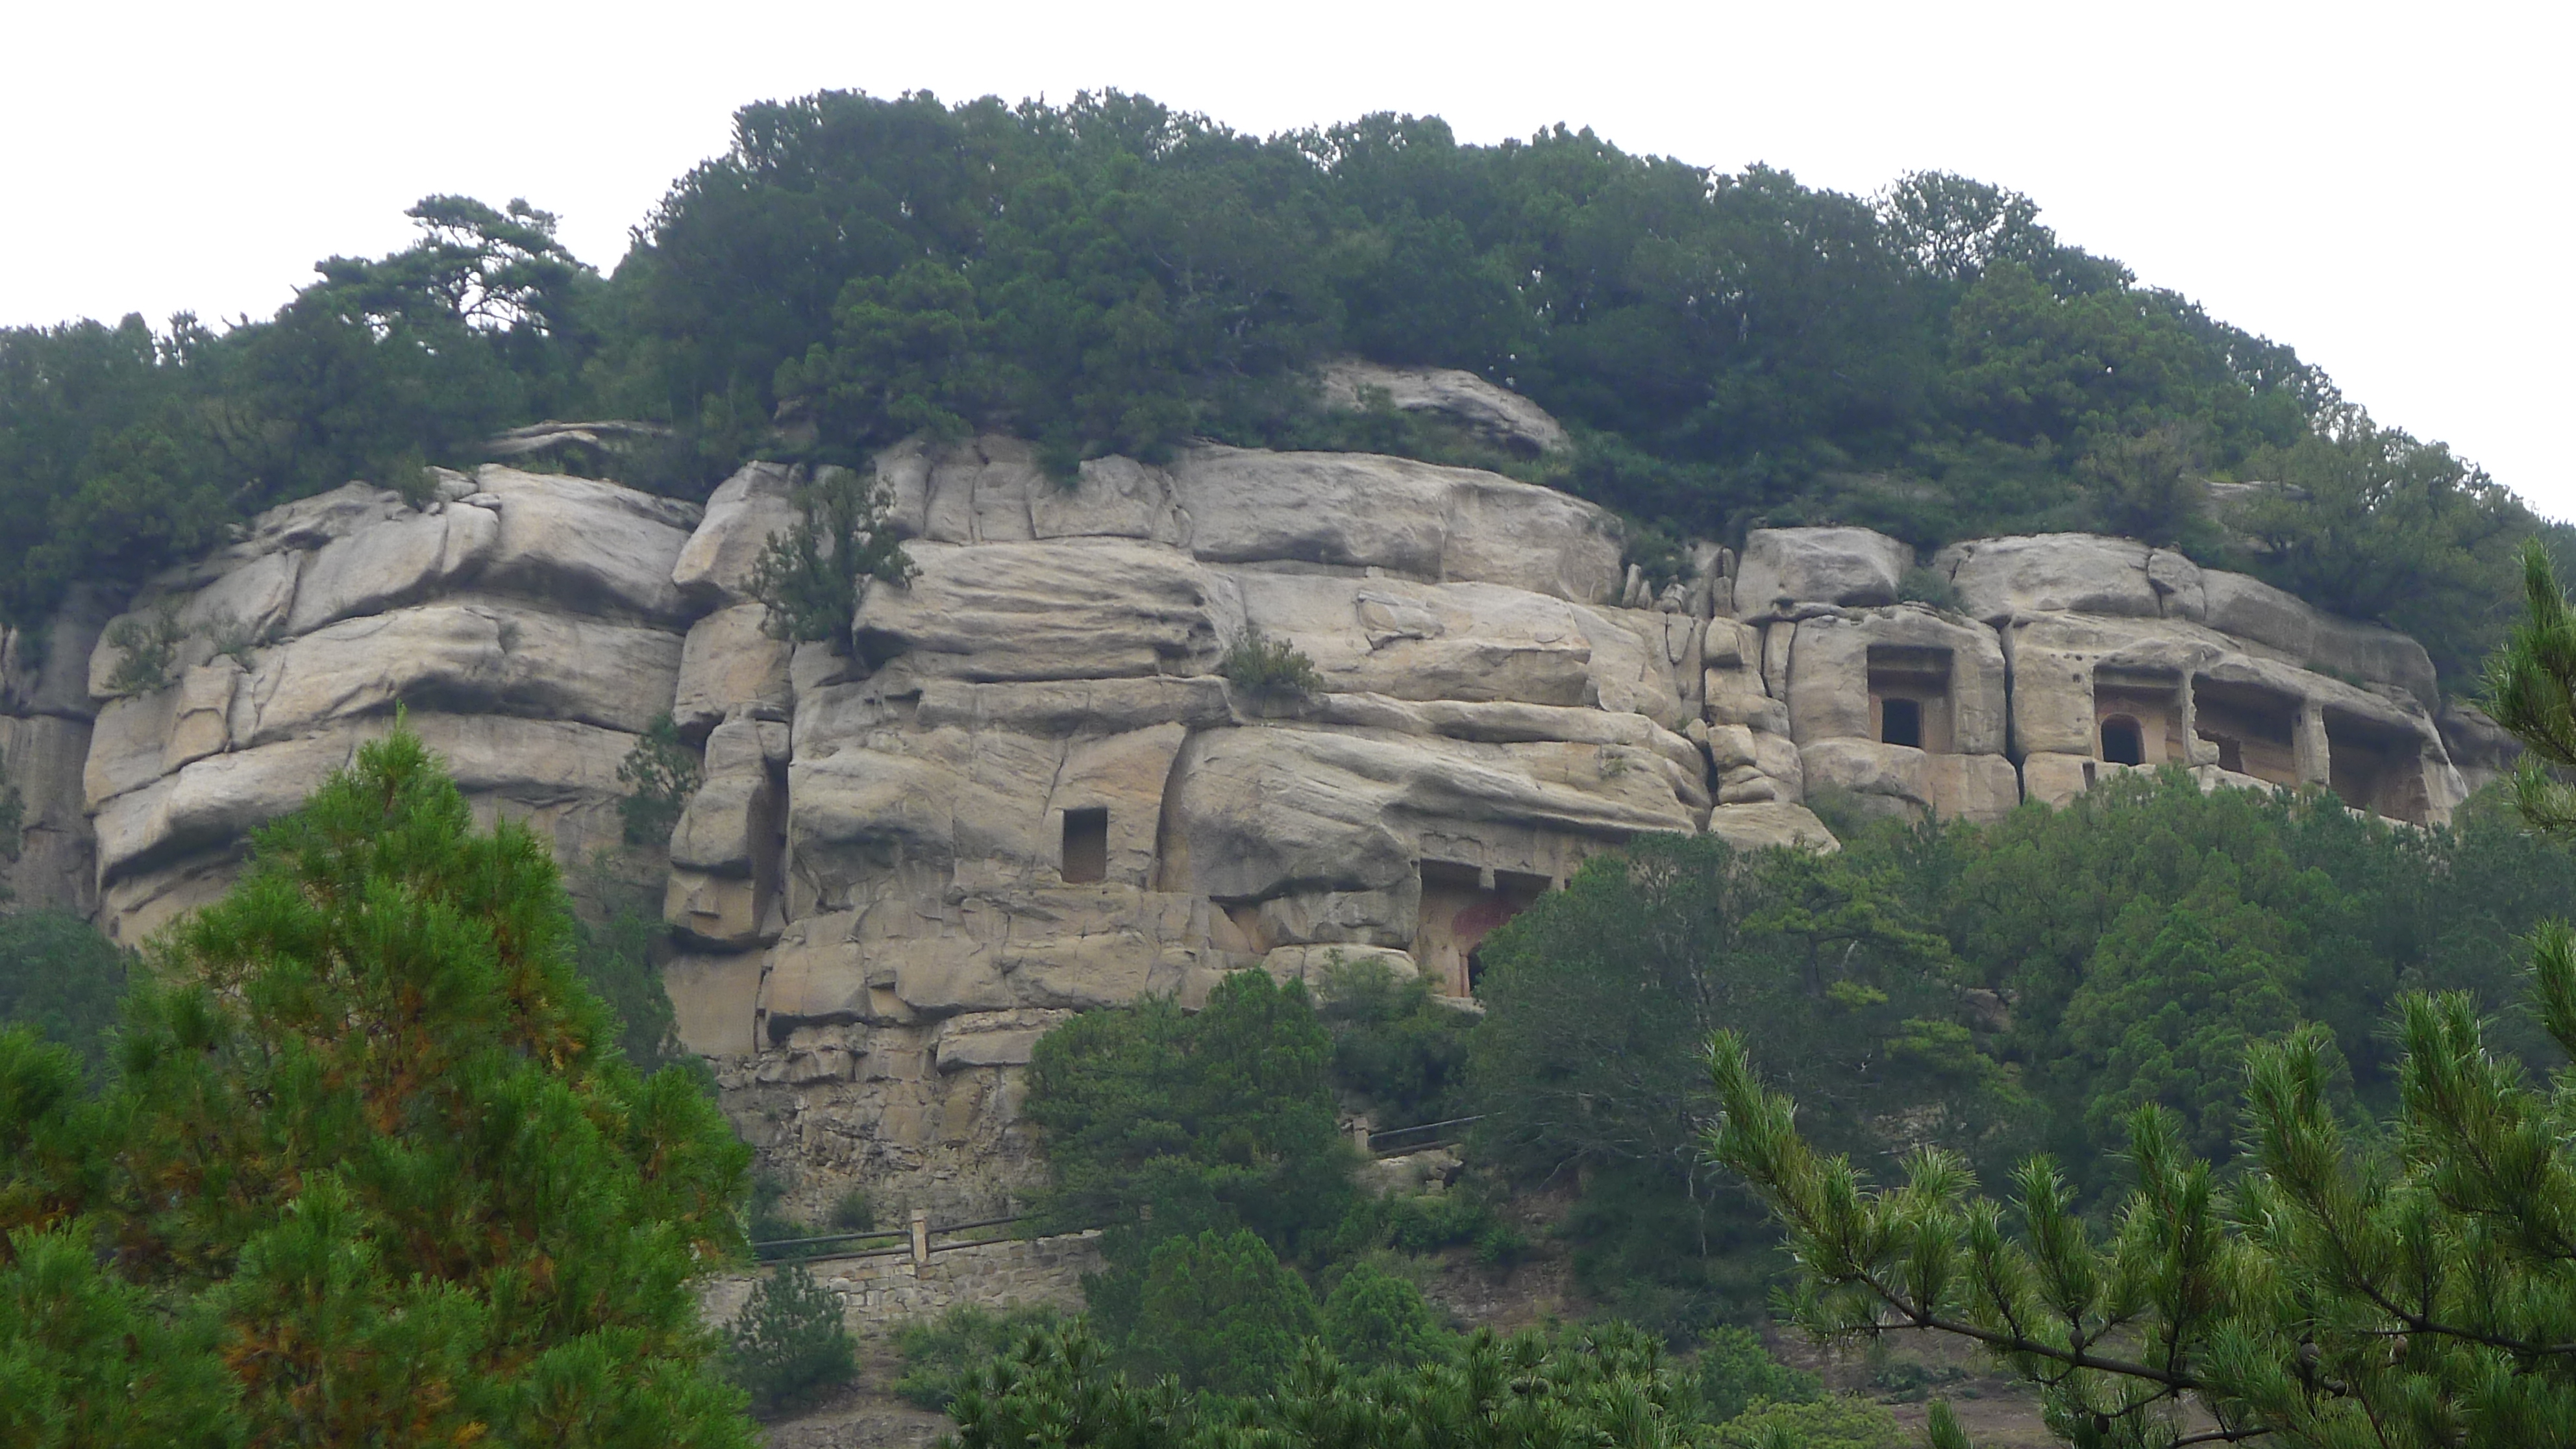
(2139, 719)
(1461, 904)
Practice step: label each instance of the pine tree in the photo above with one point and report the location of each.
(789, 1341)
(372, 1146)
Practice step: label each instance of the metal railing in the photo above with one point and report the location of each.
(1414, 1143)
(914, 1239)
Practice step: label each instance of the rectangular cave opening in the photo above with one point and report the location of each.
(2372, 766)
(1909, 696)
(2255, 729)
(1086, 845)
(1461, 905)
(2137, 716)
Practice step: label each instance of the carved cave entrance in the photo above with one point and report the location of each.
(2137, 716)
(2253, 727)
(1909, 696)
(2374, 767)
(1086, 846)
(1461, 905)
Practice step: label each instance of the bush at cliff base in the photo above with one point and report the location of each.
(789, 1344)
(369, 1167)
(1598, 1384)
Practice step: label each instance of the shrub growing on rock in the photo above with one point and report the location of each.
(1268, 668)
(813, 575)
(660, 774)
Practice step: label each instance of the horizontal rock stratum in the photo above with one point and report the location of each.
(1022, 789)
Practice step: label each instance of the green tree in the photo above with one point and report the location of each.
(943, 1356)
(660, 774)
(1395, 1042)
(1217, 1119)
(1375, 1319)
(59, 976)
(1218, 1312)
(1598, 997)
(88, 1360)
(813, 576)
(789, 1343)
(2367, 522)
(2396, 1284)
(369, 1133)
(2173, 997)
(1734, 1372)
(1603, 1384)
(1836, 1421)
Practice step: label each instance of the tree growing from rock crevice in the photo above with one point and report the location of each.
(814, 575)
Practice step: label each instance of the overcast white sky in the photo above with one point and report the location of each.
(2383, 187)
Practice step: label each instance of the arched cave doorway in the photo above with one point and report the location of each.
(2123, 742)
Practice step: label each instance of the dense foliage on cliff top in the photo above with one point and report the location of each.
(1107, 275)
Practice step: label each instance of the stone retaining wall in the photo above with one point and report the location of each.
(884, 1293)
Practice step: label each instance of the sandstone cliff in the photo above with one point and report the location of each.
(1022, 790)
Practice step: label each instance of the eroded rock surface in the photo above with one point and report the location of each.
(1021, 789)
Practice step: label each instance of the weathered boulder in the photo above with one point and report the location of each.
(398, 561)
(1086, 609)
(311, 523)
(1474, 643)
(993, 489)
(1076, 706)
(560, 777)
(466, 656)
(587, 546)
(1314, 965)
(1902, 780)
(201, 713)
(981, 1046)
(1496, 414)
(2001, 579)
(1522, 536)
(2479, 748)
(2053, 780)
(1384, 918)
(2249, 609)
(1263, 812)
(758, 502)
(1770, 824)
(721, 912)
(983, 808)
(252, 604)
(728, 661)
(1787, 567)
(1417, 520)
(731, 825)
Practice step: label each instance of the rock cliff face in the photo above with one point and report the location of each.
(1023, 790)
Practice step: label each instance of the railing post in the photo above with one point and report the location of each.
(920, 1238)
